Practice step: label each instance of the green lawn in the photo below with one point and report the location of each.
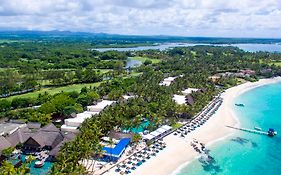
(75, 87)
(69, 88)
(142, 59)
(271, 62)
(176, 125)
(277, 63)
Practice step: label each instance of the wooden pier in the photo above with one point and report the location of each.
(249, 130)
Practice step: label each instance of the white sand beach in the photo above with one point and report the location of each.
(179, 150)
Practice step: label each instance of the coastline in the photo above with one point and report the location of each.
(179, 151)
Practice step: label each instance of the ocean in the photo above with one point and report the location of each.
(246, 153)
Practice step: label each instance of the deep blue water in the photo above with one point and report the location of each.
(245, 47)
(246, 153)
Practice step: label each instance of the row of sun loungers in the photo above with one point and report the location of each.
(200, 120)
(137, 159)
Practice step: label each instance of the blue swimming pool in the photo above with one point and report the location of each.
(142, 127)
(39, 171)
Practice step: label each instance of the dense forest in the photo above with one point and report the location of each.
(32, 65)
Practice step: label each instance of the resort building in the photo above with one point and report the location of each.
(179, 99)
(34, 139)
(72, 124)
(189, 91)
(55, 151)
(114, 153)
(127, 97)
(167, 81)
(186, 98)
(100, 106)
(158, 133)
(47, 138)
(10, 127)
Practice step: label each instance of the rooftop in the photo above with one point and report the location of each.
(179, 99)
(118, 149)
(189, 91)
(9, 128)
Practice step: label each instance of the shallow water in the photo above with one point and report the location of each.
(247, 153)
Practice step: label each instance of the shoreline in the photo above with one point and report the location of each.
(179, 150)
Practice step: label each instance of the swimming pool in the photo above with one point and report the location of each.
(143, 126)
(39, 171)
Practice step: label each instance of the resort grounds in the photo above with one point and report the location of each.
(176, 149)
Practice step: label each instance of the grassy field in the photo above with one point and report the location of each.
(176, 125)
(55, 90)
(277, 63)
(142, 59)
(69, 88)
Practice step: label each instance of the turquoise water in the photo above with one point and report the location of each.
(246, 153)
(39, 171)
(140, 128)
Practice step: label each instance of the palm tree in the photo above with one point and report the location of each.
(111, 143)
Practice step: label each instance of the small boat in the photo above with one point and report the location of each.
(38, 164)
(239, 104)
(258, 128)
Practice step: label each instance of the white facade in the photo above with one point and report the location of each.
(100, 106)
(66, 128)
(166, 127)
(72, 124)
(157, 133)
(179, 99)
(189, 91)
(167, 81)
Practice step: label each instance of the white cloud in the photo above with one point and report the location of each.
(247, 18)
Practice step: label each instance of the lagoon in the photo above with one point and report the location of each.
(252, 47)
(247, 153)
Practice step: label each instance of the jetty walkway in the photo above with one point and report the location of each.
(249, 130)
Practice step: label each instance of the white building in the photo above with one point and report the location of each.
(158, 133)
(100, 106)
(72, 124)
(179, 99)
(189, 91)
(167, 81)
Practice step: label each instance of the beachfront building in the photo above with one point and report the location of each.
(158, 133)
(113, 153)
(72, 124)
(167, 81)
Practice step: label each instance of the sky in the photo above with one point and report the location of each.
(217, 18)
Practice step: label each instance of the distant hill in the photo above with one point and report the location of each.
(78, 36)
